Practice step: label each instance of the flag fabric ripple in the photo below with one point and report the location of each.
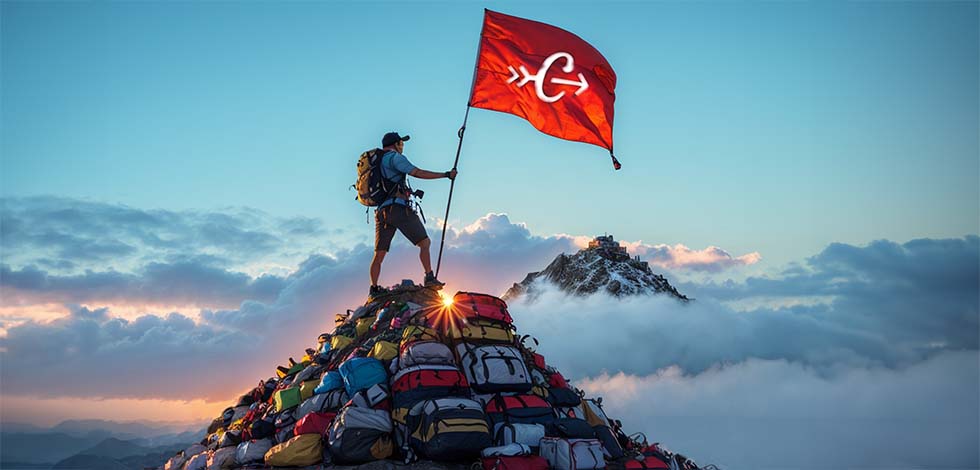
(552, 78)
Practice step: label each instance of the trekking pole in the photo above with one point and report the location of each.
(452, 184)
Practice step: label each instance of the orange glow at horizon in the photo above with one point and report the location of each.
(48, 312)
(51, 411)
(41, 313)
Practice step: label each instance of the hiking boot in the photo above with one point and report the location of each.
(377, 291)
(431, 281)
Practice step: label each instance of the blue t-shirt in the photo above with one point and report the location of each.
(395, 167)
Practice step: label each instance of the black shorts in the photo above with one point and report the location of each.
(397, 216)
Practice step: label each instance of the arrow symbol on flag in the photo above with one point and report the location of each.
(528, 76)
(513, 75)
(582, 84)
(539, 78)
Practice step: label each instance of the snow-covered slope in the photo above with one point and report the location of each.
(594, 269)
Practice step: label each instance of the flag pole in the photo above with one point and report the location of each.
(452, 184)
(459, 147)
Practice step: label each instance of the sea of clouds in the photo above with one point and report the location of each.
(855, 357)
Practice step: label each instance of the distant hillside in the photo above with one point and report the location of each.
(127, 430)
(25, 449)
(10, 427)
(90, 462)
(116, 449)
(169, 440)
(38, 448)
(115, 453)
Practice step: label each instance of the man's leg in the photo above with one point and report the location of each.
(379, 257)
(409, 223)
(383, 232)
(430, 277)
(424, 256)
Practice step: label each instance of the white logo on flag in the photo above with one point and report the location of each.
(540, 77)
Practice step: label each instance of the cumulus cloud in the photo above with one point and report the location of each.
(60, 250)
(63, 250)
(922, 291)
(639, 335)
(679, 257)
(881, 372)
(91, 353)
(779, 414)
(183, 283)
(492, 253)
(251, 323)
(514, 242)
(71, 233)
(873, 316)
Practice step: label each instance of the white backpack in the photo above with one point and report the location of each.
(252, 451)
(423, 353)
(572, 454)
(494, 368)
(509, 450)
(511, 433)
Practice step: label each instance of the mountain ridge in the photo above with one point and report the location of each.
(603, 266)
(29, 445)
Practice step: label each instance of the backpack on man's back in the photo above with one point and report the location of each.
(372, 187)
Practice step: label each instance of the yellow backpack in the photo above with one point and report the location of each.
(383, 351)
(306, 389)
(413, 333)
(364, 325)
(481, 331)
(339, 342)
(299, 451)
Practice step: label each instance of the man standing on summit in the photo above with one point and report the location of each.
(396, 212)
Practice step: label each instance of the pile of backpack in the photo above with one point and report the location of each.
(408, 378)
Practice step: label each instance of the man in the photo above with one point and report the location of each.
(397, 212)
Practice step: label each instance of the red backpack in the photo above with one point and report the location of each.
(481, 307)
(425, 382)
(428, 376)
(525, 409)
(314, 423)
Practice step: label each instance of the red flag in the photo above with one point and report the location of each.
(561, 84)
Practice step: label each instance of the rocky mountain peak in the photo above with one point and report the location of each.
(604, 265)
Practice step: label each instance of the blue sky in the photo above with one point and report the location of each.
(770, 127)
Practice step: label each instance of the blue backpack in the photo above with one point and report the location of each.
(331, 381)
(361, 373)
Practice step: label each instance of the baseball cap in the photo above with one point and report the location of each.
(392, 137)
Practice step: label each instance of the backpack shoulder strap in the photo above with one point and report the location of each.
(402, 183)
(381, 161)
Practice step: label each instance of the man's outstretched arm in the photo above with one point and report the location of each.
(432, 175)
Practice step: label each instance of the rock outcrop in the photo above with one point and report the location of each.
(604, 266)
